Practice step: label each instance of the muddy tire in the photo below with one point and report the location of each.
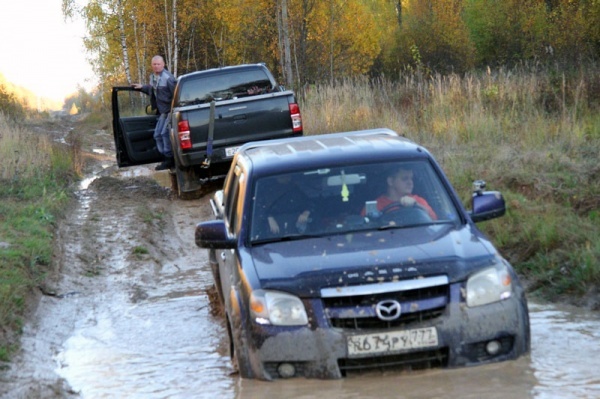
(214, 267)
(238, 353)
(188, 196)
(183, 195)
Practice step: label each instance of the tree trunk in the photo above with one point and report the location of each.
(175, 39)
(123, 41)
(287, 57)
(331, 20)
(398, 4)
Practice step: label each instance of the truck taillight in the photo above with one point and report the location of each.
(296, 118)
(183, 130)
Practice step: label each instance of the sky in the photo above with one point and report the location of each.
(40, 51)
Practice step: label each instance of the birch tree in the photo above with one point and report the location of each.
(287, 57)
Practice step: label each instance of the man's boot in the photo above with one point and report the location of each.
(168, 163)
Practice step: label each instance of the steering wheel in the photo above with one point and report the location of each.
(395, 206)
(396, 212)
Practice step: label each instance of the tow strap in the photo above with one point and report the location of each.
(211, 133)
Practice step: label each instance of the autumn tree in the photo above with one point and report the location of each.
(435, 30)
(314, 40)
(334, 39)
(10, 106)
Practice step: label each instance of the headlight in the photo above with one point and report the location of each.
(487, 286)
(277, 308)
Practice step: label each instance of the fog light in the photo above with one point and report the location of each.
(286, 370)
(493, 347)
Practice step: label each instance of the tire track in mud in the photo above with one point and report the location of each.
(126, 313)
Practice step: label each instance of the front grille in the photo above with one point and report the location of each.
(357, 312)
(405, 361)
(373, 323)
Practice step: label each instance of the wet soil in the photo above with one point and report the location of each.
(127, 314)
(127, 278)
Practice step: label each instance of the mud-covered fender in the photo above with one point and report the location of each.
(237, 318)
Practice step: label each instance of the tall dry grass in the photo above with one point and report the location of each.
(23, 154)
(28, 155)
(521, 106)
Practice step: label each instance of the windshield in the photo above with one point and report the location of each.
(348, 199)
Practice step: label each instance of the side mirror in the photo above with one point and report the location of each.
(150, 110)
(486, 205)
(213, 235)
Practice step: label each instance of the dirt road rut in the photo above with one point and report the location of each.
(128, 298)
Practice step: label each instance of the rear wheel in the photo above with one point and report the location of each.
(183, 179)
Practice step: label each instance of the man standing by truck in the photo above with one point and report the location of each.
(161, 88)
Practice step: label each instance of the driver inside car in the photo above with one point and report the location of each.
(283, 205)
(400, 193)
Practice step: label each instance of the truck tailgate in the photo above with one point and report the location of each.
(238, 121)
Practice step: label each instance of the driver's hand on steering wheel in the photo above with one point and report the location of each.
(407, 201)
(303, 217)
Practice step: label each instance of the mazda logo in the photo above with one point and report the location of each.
(388, 310)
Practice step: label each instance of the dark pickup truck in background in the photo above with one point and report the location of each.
(213, 113)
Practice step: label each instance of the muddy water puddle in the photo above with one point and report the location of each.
(169, 349)
(160, 349)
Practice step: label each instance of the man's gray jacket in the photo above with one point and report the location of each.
(161, 91)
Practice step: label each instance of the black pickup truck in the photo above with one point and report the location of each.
(214, 112)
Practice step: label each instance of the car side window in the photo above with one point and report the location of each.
(232, 202)
(132, 103)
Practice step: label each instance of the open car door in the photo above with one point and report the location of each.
(133, 127)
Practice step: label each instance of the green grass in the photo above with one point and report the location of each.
(34, 178)
(138, 250)
(150, 216)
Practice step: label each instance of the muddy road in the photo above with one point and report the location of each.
(127, 315)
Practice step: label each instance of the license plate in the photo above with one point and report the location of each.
(381, 343)
(230, 151)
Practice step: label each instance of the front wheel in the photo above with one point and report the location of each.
(238, 352)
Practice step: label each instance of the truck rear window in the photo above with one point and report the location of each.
(226, 86)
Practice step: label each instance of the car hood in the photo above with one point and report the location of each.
(305, 266)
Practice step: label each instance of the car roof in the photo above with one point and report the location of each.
(347, 148)
(231, 68)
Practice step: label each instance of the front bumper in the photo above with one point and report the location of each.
(320, 351)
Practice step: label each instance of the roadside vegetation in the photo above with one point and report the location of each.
(34, 177)
(532, 133)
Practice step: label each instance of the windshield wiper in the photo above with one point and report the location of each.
(288, 237)
(404, 226)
